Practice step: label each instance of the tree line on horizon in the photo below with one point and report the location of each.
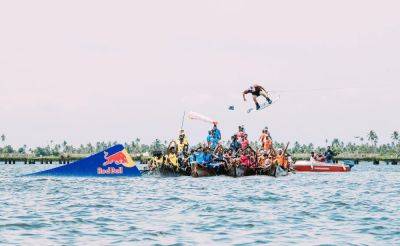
(364, 145)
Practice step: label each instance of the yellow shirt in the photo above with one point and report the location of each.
(184, 143)
(173, 160)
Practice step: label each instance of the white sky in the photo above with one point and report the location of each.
(116, 70)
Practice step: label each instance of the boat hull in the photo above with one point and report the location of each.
(202, 171)
(241, 171)
(213, 169)
(307, 166)
(169, 171)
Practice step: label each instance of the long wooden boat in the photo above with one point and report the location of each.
(308, 166)
(170, 171)
(241, 171)
(199, 170)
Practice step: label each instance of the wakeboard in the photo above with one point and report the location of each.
(265, 104)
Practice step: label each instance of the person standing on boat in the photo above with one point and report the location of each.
(245, 142)
(182, 144)
(212, 141)
(329, 154)
(265, 140)
(257, 90)
(235, 145)
(240, 134)
(217, 132)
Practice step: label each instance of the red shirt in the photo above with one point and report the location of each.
(245, 161)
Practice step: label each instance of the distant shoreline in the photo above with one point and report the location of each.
(67, 158)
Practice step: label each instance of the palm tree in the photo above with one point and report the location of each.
(373, 137)
(64, 145)
(395, 136)
(3, 138)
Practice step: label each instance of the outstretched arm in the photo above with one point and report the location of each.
(244, 95)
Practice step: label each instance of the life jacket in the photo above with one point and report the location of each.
(266, 141)
(280, 159)
(267, 144)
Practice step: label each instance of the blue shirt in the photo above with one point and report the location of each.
(217, 133)
(203, 158)
(214, 142)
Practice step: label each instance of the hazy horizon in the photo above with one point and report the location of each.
(87, 71)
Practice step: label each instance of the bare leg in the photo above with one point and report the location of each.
(256, 102)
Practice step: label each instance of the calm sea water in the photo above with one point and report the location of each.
(360, 208)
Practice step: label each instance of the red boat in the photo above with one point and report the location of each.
(308, 166)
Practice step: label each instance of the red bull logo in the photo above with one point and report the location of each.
(121, 159)
(118, 158)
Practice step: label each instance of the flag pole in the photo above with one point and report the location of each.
(183, 119)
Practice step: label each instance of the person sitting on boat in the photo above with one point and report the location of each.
(261, 157)
(316, 157)
(216, 132)
(235, 145)
(229, 156)
(319, 157)
(245, 159)
(172, 158)
(312, 157)
(218, 155)
(207, 156)
(157, 160)
(192, 156)
(256, 91)
(281, 159)
(269, 161)
(329, 154)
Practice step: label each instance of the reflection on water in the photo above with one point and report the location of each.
(361, 207)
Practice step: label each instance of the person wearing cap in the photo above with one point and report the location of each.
(257, 90)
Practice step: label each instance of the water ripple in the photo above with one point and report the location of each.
(357, 208)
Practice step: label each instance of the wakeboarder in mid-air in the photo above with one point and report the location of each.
(257, 90)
